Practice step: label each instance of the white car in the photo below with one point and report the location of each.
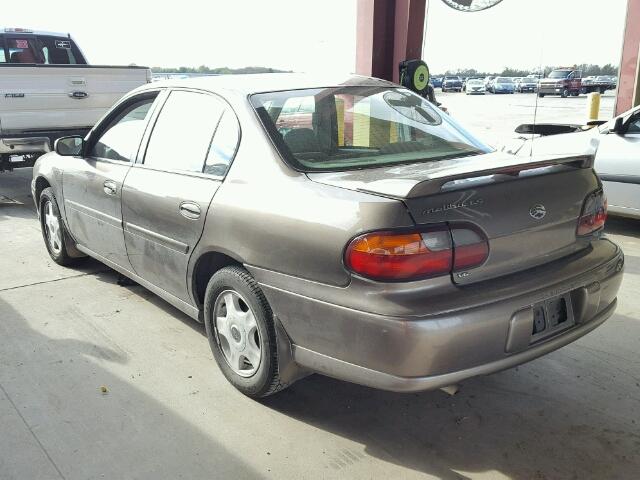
(475, 87)
(617, 157)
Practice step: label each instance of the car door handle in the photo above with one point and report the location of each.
(190, 210)
(110, 187)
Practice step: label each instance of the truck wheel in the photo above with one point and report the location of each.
(241, 332)
(541, 95)
(54, 233)
(575, 94)
(565, 93)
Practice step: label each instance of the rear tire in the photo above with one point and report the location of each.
(241, 332)
(540, 95)
(55, 235)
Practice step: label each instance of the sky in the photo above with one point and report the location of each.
(319, 36)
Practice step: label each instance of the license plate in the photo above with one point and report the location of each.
(552, 316)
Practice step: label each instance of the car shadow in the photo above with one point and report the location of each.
(58, 423)
(541, 420)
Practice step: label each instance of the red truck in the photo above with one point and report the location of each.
(562, 81)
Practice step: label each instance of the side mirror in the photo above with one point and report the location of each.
(69, 146)
(618, 126)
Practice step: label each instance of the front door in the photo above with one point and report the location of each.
(92, 184)
(166, 198)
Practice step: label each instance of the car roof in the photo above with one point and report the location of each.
(29, 31)
(267, 82)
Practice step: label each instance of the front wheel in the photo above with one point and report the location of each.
(565, 93)
(540, 95)
(54, 233)
(241, 332)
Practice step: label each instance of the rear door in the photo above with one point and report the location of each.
(618, 164)
(92, 185)
(166, 197)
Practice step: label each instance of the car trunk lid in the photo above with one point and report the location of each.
(528, 208)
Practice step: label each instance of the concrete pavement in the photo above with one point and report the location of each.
(168, 412)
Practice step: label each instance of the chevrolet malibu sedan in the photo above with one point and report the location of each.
(348, 228)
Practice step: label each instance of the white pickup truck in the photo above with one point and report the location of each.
(48, 91)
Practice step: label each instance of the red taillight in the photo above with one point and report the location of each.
(401, 256)
(594, 214)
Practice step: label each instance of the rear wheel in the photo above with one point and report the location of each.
(241, 332)
(541, 95)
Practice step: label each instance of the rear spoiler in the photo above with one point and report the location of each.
(507, 166)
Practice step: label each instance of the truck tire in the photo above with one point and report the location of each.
(541, 95)
(575, 93)
(564, 93)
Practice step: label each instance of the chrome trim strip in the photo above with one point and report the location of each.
(103, 217)
(154, 237)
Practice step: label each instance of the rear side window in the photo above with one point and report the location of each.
(224, 144)
(183, 132)
(57, 51)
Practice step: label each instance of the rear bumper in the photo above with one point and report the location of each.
(410, 353)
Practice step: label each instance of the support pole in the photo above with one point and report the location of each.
(388, 31)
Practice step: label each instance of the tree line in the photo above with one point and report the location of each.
(204, 70)
(588, 69)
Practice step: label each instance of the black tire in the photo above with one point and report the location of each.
(60, 252)
(575, 94)
(540, 95)
(443, 89)
(265, 381)
(564, 93)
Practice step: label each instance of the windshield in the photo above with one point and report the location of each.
(559, 74)
(503, 80)
(346, 128)
(451, 78)
(475, 82)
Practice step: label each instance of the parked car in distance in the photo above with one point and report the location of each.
(49, 91)
(502, 85)
(317, 246)
(488, 81)
(436, 82)
(475, 87)
(616, 160)
(526, 84)
(451, 84)
(562, 81)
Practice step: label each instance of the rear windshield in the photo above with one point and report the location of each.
(504, 80)
(346, 128)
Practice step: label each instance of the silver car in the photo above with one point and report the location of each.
(348, 228)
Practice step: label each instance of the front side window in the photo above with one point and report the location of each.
(121, 139)
(183, 132)
(634, 124)
(360, 127)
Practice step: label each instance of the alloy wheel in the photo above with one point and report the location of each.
(237, 333)
(52, 228)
